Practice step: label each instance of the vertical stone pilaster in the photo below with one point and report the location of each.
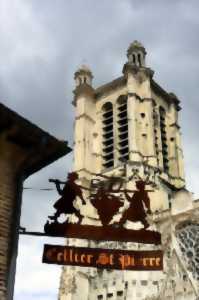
(150, 133)
(180, 156)
(85, 113)
(172, 142)
(134, 153)
(175, 149)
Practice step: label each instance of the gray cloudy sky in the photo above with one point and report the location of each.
(43, 43)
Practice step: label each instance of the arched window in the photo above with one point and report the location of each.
(164, 139)
(80, 81)
(134, 59)
(139, 59)
(122, 127)
(107, 135)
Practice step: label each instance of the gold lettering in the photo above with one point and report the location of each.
(76, 257)
(59, 256)
(157, 261)
(50, 253)
(65, 255)
(125, 261)
(144, 261)
(103, 259)
(151, 261)
(82, 258)
(89, 258)
(111, 259)
(71, 255)
(132, 261)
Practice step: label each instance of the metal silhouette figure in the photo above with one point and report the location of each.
(136, 211)
(107, 197)
(71, 190)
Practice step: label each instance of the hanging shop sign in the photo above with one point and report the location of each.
(108, 198)
(104, 198)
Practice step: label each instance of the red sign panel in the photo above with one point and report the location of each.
(104, 258)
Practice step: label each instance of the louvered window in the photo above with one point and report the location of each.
(107, 135)
(122, 126)
(164, 139)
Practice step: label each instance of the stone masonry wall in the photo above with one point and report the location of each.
(7, 197)
(10, 159)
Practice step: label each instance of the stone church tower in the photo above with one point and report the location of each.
(130, 126)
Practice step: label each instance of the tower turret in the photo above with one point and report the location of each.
(83, 76)
(84, 101)
(136, 54)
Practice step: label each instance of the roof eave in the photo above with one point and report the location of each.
(41, 148)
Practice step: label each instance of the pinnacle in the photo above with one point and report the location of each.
(136, 45)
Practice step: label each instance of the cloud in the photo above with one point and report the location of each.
(43, 43)
(36, 280)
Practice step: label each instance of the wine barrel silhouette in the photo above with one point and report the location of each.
(107, 205)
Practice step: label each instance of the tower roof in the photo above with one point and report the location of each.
(135, 46)
(83, 69)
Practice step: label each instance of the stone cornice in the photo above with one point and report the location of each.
(175, 125)
(97, 154)
(136, 152)
(169, 97)
(85, 116)
(135, 69)
(83, 89)
(143, 156)
(121, 81)
(140, 98)
(84, 170)
(149, 100)
(169, 182)
(135, 95)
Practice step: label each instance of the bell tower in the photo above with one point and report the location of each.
(126, 126)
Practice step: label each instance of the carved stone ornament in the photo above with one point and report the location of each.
(188, 239)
